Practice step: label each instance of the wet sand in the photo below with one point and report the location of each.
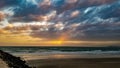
(76, 63)
(73, 61)
(70, 61)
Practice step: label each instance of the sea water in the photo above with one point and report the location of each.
(81, 50)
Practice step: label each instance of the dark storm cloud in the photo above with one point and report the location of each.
(74, 19)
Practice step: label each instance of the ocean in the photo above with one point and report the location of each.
(62, 50)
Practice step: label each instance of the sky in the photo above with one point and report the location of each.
(26, 21)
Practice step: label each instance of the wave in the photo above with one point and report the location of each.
(62, 50)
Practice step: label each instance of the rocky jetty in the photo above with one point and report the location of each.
(13, 61)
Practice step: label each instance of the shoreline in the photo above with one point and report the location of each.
(73, 61)
(76, 63)
(55, 56)
(70, 61)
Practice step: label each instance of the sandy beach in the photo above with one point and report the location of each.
(73, 61)
(69, 61)
(76, 63)
(3, 64)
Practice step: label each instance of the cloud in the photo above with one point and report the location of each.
(71, 19)
(2, 15)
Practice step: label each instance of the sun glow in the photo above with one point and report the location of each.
(58, 42)
(8, 38)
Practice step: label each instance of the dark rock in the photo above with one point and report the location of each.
(12, 61)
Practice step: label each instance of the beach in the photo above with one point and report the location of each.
(69, 61)
(66, 57)
(77, 63)
(74, 61)
(3, 64)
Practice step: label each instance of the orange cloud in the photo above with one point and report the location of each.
(2, 16)
(75, 13)
(46, 17)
